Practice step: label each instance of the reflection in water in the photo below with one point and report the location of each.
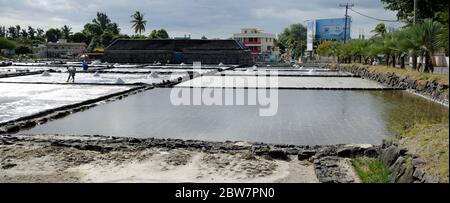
(304, 117)
(401, 108)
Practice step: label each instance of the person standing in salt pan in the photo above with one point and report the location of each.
(72, 71)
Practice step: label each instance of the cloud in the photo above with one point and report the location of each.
(213, 18)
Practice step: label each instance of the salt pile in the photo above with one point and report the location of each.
(96, 74)
(119, 81)
(45, 74)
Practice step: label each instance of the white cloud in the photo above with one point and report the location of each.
(213, 18)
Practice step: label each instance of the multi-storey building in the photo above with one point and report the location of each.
(261, 45)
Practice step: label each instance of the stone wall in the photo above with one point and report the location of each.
(431, 89)
(404, 167)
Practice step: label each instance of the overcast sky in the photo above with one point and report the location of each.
(212, 18)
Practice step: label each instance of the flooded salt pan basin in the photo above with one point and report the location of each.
(18, 100)
(91, 78)
(304, 117)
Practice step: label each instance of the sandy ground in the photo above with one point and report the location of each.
(41, 162)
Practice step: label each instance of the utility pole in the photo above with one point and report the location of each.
(347, 6)
(415, 12)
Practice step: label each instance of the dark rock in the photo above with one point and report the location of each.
(8, 166)
(305, 154)
(386, 143)
(345, 152)
(407, 176)
(390, 155)
(278, 154)
(371, 152)
(397, 169)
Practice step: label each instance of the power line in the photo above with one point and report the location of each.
(393, 21)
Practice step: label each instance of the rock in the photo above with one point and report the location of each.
(345, 152)
(305, 154)
(8, 166)
(278, 154)
(418, 173)
(371, 152)
(390, 155)
(407, 176)
(386, 143)
(430, 179)
(397, 169)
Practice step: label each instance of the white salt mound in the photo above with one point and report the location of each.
(96, 74)
(119, 81)
(45, 74)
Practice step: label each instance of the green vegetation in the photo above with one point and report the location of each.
(434, 9)
(431, 143)
(7, 44)
(293, 38)
(159, 34)
(423, 39)
(138, 22)
(371, 170)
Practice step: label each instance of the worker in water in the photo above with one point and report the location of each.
(85, 65)
(71, 71)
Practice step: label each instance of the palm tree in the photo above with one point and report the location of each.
(425, 36)
(138, 22)
(67, 31)
(380, 30)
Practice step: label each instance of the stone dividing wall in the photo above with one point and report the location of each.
(430, 89)
(403, 167)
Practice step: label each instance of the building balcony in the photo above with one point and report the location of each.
(251, 43)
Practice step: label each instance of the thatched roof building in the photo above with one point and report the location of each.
(177, 51)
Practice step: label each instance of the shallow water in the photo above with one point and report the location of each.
(304, 117)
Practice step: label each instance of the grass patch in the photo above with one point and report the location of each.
(371, 170)
(431, 143)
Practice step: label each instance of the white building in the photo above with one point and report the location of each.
(262, 45)
(61, 49)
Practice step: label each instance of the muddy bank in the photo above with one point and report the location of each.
(53, 158)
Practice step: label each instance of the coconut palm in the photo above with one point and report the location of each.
(67, 31)
(425, 36)
(138, 22)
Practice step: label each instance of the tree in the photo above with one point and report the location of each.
(426, 37)
(2, 31)
(6, 43)
(53, 34)
(24, 34)
(40, 33)
(293, 38)
(159, 34)
(31, 32)
(23, 50)
(425, 9)
(79, 37)
(324, 48)
(204, 37)
(106, 38)
(138, 22)
(102, 20)
(380, 30)
(67, 31)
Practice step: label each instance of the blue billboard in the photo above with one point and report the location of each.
(332, 29)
